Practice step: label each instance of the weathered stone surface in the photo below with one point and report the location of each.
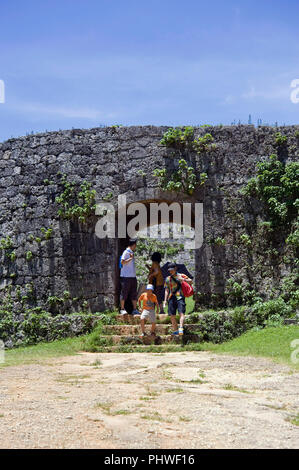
(74, 259)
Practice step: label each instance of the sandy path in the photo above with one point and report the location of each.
(174, 400)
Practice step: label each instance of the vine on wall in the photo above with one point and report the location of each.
(74, 202)
(185, 179)
(182, 180)
(277, 186)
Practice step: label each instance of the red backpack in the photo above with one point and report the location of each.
(187, 290)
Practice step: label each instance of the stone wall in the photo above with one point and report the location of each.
(75, 265)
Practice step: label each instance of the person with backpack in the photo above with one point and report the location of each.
(177, 287)
(128, 280)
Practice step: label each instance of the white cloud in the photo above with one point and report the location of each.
(275, 93)
(60, 111)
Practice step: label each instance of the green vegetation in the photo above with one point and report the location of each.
(239, 292)
(277, 185)
(35, 324)
(146, 246)
(6, 243)
(245, 239)
(47, 233)
(280, 139)
(234, 388)
(29, 255)
(74, 202)
(42, 352)
(183, 138)
(271, 342)
(294, 419)
(185, 178)
(182, 180)
(220, 241)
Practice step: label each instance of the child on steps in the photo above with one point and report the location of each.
(150, 307)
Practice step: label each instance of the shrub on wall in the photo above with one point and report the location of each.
(39, 325)
(277, 185)
(76, 202)
(223, 326)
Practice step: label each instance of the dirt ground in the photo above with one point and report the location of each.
(141, 400)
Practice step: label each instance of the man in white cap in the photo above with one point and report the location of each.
(150, 307)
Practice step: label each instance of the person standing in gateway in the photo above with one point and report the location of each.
(128, 280)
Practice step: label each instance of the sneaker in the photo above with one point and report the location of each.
(123, 312)
(135, 312)
(142, 335)
(181, 331)
(175, 333)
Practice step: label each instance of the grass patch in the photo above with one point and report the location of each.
(293, 420)
(192, 381)
(121, 412)
(96, 363)
(235, 389)
(71, 379)
(175, 390)
(273, 342)
(184, 419)
(155, 417)
(166, 375)
(42, 351)
(152, 393)
(106, 407)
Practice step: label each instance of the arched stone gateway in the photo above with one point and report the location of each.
(67, 267)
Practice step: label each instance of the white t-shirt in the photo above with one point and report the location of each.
(128, 270)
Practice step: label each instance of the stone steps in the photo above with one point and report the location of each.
(146, 340)
(131, 330)
(135, 319)
(129, 333)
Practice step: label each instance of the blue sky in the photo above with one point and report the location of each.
(82, 63)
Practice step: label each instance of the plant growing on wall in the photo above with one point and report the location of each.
(182, 180)
(183, 138)
(76, 202)
(47, 232)
(280, 140)
(6, 243)
(277, 185)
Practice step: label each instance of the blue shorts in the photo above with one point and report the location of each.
(175, 304)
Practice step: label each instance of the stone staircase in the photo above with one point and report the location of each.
(127, 331)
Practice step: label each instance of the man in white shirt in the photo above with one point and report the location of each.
(128, 280)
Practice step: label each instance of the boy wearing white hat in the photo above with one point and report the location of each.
(150, 307)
